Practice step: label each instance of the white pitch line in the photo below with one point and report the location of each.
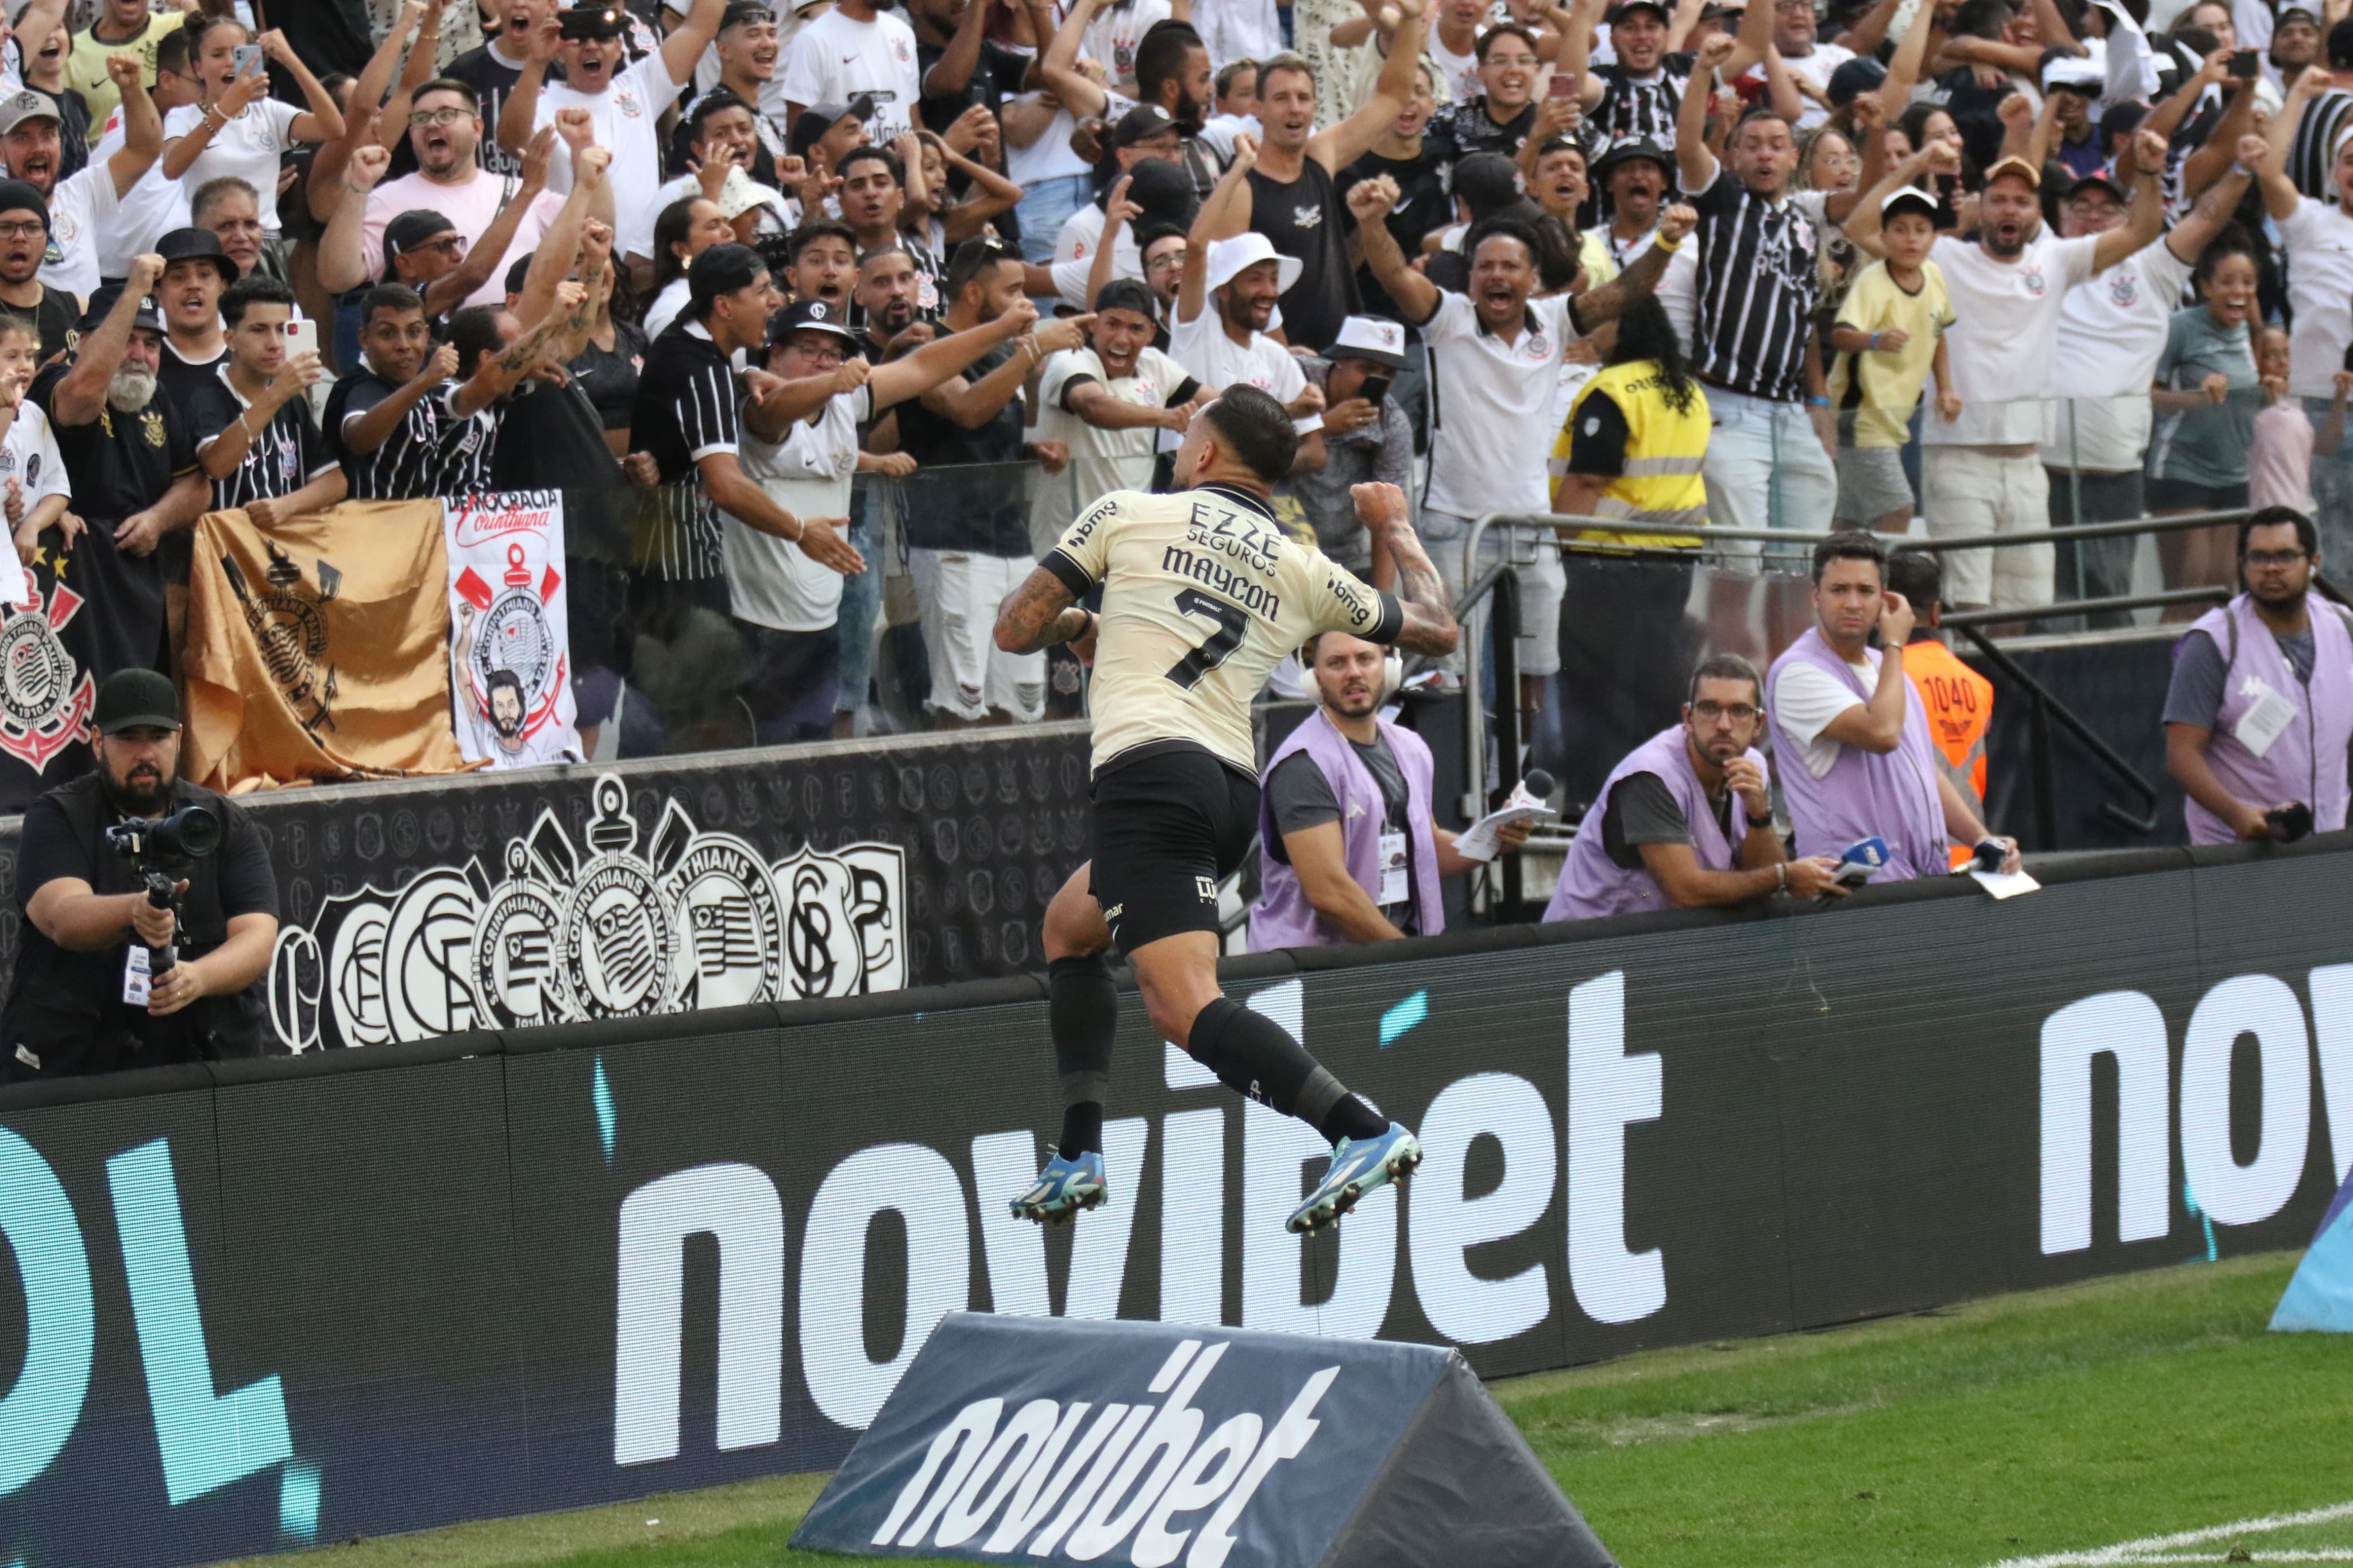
(2331, 1554)
(2137, 1551)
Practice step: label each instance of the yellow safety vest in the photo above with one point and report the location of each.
(1660, 481)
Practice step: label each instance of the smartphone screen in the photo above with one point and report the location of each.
(2244, 64)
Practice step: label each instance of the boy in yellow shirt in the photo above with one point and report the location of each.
(1889, 338)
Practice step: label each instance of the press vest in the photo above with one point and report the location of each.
(1591, 884)
(1283, 917)
(2305, 760)
(1886, 795)
(1961, 707)
(1661, 479)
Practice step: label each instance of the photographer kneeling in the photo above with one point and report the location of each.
(88, 995)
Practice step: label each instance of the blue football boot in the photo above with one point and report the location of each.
(1359, 1165)
(1063, 1188)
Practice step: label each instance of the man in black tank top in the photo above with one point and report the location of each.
(1293, 199)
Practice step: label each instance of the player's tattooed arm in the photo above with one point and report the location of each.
(1038, 614)
(1429, 615)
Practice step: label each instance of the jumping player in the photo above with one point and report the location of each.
(1203, 595)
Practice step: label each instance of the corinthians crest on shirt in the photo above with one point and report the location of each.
(45, 696)
(598, 929)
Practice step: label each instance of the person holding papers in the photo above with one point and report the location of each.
(1352, 851)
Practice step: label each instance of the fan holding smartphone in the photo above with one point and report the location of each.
(236, 127)
(1367, 439)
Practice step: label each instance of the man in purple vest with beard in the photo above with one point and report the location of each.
(2260, 707)
(1353, 853)
(1851, 733)
(1662, 834)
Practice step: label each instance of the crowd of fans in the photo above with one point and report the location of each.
(1971, 266)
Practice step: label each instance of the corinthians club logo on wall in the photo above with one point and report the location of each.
(615, 927)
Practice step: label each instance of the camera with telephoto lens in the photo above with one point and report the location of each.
(158, 846)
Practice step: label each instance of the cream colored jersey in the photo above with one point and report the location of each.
(1203, 595)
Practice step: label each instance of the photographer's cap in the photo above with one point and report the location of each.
(130, 698)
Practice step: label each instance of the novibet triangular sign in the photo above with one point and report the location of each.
(2319, 1299)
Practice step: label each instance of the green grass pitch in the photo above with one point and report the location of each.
(2147, 1419)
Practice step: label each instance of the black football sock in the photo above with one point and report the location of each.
(1254, 1055)
(1082, 1014)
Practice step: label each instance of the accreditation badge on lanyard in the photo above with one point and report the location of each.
(138, 976)
(2266, 721)
(1396, 882)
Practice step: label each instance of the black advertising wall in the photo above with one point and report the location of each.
(426, 907)
(363, 1291)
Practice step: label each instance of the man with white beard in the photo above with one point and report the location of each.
(131, 464)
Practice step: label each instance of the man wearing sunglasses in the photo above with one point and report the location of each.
(2260, 707)
(1686, 820)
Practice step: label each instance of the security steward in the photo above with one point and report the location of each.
(81, 1000)
(1353, 853)
(1959, 701)
(1631, 445)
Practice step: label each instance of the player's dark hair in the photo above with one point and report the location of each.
(1645, 333)
(1725, 667)
(1160, 58)
(258, 290)
(1257, 429)
(398, 297)
(2272, 517)
(1850, 544)
(1915, 574)
(473, 333)
(809, 233)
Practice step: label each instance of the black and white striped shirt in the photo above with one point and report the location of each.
(407, 466)
(686, 411)
(286, 453)
(2313, 150)
(1633, 105)
(468, 444)
(1754, 286)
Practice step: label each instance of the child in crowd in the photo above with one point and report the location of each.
(1889, 338)
(2279, 459)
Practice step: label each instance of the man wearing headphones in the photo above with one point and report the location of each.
(1352, 852)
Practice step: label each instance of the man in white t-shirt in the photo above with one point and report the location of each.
(799, 441)
(2112, 329)
(445, 130)
(1110, 402)
(1980, 473)
(2318, 236)
(1225, 302)
(83, 207)
(856, 49)
(1809, 60)
(1495, 367)
(623, 102)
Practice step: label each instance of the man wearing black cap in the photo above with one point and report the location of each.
(87, 994)
(1636, 94)
(623, 101)
(1144, 144)
(825, 131)
(1108, 401)
(133, 466)
(2295, 45)
(84, 205)
(23, 241)
(1634, 179)
(800, 445)
(195, 271)
(687, 419)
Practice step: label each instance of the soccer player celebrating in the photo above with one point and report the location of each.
(1203, 595)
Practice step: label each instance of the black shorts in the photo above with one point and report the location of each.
(1168, 830)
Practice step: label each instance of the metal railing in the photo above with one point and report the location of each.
(1495, 584)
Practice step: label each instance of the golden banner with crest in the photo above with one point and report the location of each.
(319, 648)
